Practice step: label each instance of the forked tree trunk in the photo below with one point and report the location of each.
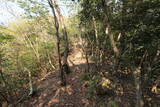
(114, 47)
(113, 42)
(108, 31)
(56, 24)
(65, 66)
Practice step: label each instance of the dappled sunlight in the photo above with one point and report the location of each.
(106, 82)
(51, 93)
(85, 102)
(119, 91)
(53, 101)
(80, 53)
(69, 90)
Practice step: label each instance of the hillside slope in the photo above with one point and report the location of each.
(51, 94)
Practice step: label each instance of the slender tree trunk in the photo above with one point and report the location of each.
(108, 31)
(56, 24)
(31, 91)
(138, 82)
(114, 47)
(137, 77)
(97, 50)
(112, 41)
(65, 35)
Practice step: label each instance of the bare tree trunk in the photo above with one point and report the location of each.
(138, 82)
(114, 47)
(56, 24)
(97, 42)
(85, 52)
(108, 31)
(31, 90)
(87, 61)
(65, 66)
(137, 77)
(113, 42)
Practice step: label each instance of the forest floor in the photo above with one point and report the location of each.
(51, 94)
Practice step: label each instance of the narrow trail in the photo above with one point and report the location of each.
(51, 94)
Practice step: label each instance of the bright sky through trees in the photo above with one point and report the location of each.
(10, 11)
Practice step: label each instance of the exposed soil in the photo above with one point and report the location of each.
(51, 94)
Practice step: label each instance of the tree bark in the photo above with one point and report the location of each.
(108, 32)
(137, 77)
(56, 24)
(65, 35)
(138, 82)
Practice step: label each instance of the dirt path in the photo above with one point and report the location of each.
(51, 94)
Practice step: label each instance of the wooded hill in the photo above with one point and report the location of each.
(105, 54)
